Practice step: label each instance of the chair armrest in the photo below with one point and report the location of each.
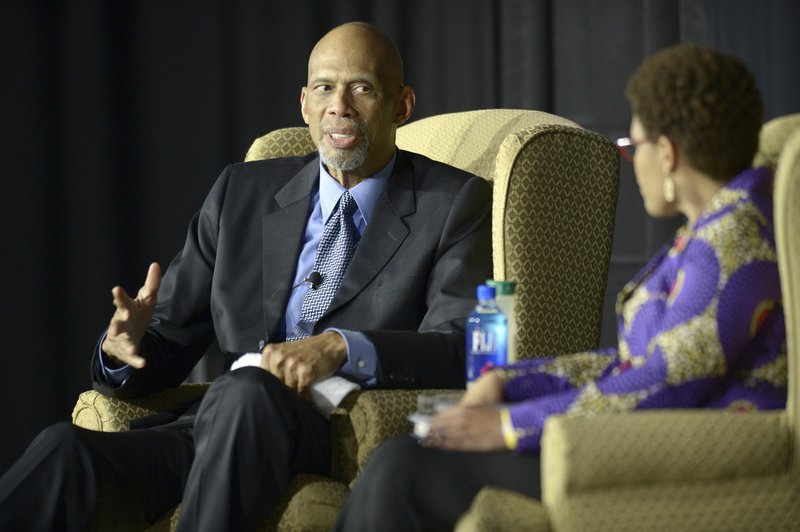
(96, 411)
(363, 421)
(582, 454)
(498, 509)
(358, 426)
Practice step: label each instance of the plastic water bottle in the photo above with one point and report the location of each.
(487, 333)
(506, 299)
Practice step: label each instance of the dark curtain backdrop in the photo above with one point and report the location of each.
(118, 116)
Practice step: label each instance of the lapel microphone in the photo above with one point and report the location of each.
(314, 279)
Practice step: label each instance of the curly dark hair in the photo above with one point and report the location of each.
(705, 101)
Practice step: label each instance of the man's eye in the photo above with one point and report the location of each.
(322, 88)
(362, 89)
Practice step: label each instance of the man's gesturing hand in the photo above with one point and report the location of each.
(300, 364)
(131, 319)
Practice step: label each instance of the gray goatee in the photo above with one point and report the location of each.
(350, 159)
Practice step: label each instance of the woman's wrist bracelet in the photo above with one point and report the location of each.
(507, 429)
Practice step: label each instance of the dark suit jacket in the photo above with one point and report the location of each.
(409, 287)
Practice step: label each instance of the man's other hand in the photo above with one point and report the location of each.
(300, 364)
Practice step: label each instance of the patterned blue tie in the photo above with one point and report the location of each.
(333, 255)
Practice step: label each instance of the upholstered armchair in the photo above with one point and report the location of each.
(678, 470)
(555, 190)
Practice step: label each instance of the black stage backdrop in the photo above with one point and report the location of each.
(118, 116)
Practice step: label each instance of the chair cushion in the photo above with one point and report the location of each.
(731, 505)
(362, 422)
(581, 454)
(311, 504)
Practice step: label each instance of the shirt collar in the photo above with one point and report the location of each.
(365, 193)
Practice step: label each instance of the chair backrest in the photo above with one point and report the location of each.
(555, 194)
(284, 142)
(773, 137)
(787, 234)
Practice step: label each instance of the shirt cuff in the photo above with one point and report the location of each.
(113, 376)
(362, 359)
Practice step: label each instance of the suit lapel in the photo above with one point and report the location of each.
(384, 234)
(282, 235)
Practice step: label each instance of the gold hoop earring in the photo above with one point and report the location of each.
(669, 189)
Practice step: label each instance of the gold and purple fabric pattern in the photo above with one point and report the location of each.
(701, 325)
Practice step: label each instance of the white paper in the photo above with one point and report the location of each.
(325, 394)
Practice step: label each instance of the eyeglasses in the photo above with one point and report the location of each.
(627, 146)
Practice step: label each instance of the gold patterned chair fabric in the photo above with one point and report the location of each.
(678, 470)
(773, 137)
(555, 192)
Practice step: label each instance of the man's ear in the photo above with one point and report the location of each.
(405, 105)
(303, 104)
(667, 154)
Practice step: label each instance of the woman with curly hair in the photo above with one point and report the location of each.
(699, 326)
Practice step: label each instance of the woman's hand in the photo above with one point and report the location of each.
(487, 390)
(467, 428)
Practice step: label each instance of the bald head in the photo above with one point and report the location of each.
(354, 100)
(357, 41)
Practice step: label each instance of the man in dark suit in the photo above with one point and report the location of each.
(420, 244)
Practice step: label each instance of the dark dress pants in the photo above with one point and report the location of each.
(406, 487)
(227, 465)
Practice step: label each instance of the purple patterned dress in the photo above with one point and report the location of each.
(700, 325)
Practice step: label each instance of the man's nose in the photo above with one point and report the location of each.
(341, 104)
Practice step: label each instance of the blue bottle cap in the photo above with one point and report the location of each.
(486, 292)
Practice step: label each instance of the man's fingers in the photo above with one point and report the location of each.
(275, 363)
(152, 282)
(274, 360)
(297, 364)
(123, 351)
(289, 372)
(298, 375)
(135, 361)
(121, 298)
(289, 368)
(113, 330)
(305, 378)
(128, 353)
